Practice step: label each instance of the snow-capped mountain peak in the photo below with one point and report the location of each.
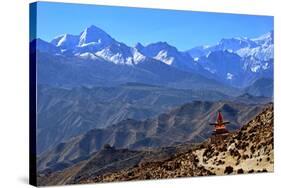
(235, 44)
(260, 48)
(94, 35)
(66, 41)
(264, 51)
(155, 48)
(137, 56)
(266, 39)
(164, 52)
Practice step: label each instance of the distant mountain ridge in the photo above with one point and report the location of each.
(254, 56)
(253, 59)
(259, 48)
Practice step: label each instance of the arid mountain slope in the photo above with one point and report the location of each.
(107, 160)
(246, 151)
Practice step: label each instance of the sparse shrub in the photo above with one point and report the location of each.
(220, 162)
(131, 173)
(240, 171)
(196, 160)
(252, 149)
(264, 170)
(228, 170)
(178, 164)
(251, 171)
(147, 176)
(224, 148)
(244, 145)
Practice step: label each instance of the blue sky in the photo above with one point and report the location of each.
(183, 29)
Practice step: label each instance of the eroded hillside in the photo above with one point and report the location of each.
(248, 150)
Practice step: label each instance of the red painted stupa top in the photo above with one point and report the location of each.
(219, 126)
(220, 118)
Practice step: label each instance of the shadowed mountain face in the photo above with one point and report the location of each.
(64, 113)
(188, 123)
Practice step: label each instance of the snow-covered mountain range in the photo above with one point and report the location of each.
(95, 43)
(260, 48)
(236, 61)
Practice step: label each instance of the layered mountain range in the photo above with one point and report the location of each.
(64, 113)
(235, 62)
(91, 80)
(93, 90)
(67, 112)
(247, 150)
(185, 124)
